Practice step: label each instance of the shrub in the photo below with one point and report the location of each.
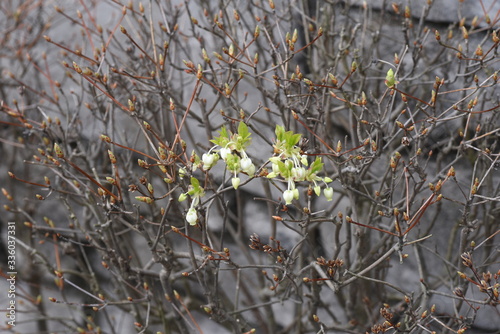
(268, 167)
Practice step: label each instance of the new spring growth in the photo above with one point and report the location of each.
(290, 164)
(232, 149)
(195, 191)
(390, 79)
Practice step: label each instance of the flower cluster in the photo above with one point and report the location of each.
(232, 150)
(288, 162)
(230, 147)
(195, 191)
(293, 166)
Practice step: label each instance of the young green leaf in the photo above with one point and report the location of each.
(390, 79)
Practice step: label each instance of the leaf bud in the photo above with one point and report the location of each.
(465, 33)
(479, 51)
(77, 68)
(451, 172)
(256, 32)
(407, 12)
(112, 157)
(199, 72)
(145, 199)
(58, 151)
(333, 79)
(494, 37)
(131, 105)
(437, 35)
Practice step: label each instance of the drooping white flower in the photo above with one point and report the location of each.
(276, 168)
(247, 166)
(288, 196)
(299, 173)
(236, 182)
(251, 170)
(224, 152)
(245, 163)
(209, 160)
(328, 192)
(192, 216)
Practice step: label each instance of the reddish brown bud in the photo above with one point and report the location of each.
(465, 33)
(479, 51)
(437, 35)
(395, 8)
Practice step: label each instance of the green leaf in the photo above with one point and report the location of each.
(294, 139)
(243, 130)
(285, 168)
(316, 166)
(279, 130)
(223, 138)
(195, 183)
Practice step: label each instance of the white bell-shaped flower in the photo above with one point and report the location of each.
(192, 216)
(209, 160)
(236, 182)
(328, 192)
(299, 173)
(224, 152)
(288, 196)
(245, 164)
